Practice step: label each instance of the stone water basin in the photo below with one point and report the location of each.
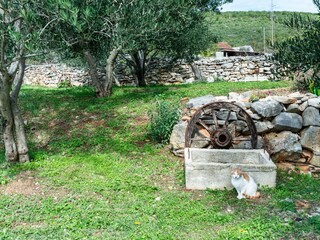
(211, 168)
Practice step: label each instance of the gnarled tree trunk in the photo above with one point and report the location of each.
(7, 122)
(196, 71)
(109, 71)
(14, 137)
(103, 87)
(93, 73)
(21, 139)
(139, 63)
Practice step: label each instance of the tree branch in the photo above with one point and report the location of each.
(18, 80)
(42, 30)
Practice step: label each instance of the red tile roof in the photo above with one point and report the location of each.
(224, 45)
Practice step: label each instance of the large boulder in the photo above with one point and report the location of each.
(223, 114)
(294, 108)
(316, 159)
(311, 117)
(283, 146)
(296, 95)
(263, 127)
(287, 121)
(310, 139)
(314, 102)
(248, 145)
(283, 99)
(177, 138)
(235, 96)
(303, 106)
(269, 108)
(200, 101)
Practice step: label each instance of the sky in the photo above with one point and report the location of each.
(265, 5)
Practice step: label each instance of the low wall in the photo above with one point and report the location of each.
(51, 75)
(250, 68)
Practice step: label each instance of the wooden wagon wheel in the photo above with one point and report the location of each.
(214, 126)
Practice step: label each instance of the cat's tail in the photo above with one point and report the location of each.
(257, 195)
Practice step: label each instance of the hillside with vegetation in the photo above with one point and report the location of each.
(247, 28)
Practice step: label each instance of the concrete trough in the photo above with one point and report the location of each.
(211, 168)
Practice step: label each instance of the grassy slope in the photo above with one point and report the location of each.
(246, 28)
(106, 180)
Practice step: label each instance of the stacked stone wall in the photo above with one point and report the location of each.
(250, 68)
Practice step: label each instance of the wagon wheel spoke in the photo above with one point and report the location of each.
(227, 119)
(204, 126)
(200, 139)
(215, 120)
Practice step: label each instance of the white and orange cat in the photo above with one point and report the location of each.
(244, 184)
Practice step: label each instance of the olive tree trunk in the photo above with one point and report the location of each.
(7, 122)
(109, 71)
(196, 71)
(139, 63)
(93, 73)
(102, 86)
(139, 66)
(15, 142)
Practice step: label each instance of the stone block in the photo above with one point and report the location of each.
(283, 146)
(177, 138)
(211, 168)
(310, 138)
(311, 117)
(269, 108)
(316, 159)
(200, 101)
(287, 121)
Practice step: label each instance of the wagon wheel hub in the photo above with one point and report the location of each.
(221, 138)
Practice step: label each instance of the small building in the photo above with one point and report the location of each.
(225, 50)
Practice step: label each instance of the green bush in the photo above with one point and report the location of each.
(162, 120)
(64, 84)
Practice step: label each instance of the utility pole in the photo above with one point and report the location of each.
(264, 40)
(272, 23)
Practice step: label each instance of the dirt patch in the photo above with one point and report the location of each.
(21, 225)
(271, 92)
(27, 184)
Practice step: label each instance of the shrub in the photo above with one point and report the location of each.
(64, 84)
(162, 120)
(256, 96)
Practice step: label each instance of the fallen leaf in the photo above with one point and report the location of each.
(302, 204)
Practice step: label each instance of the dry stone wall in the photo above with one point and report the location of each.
(51, 75)
(250, 68)
(288, 126)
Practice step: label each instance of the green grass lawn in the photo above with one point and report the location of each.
(95, 174)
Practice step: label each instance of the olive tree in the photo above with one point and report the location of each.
(18, 30)
(300, 52)
(85, 28)
(173, 28)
